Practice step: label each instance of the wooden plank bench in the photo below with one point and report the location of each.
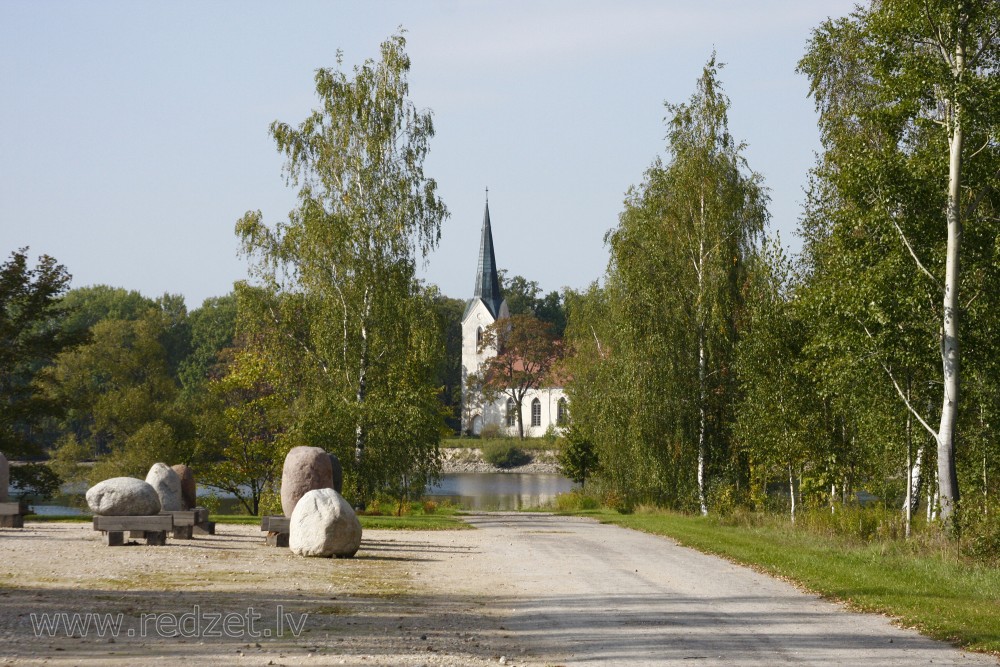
(277, 530)
(153, 527)
(187, 523)
(12, 514)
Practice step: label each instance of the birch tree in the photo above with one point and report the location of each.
(916, 79)
(672, 308)
(348, 252)
(712, 208)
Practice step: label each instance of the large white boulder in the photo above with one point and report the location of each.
(123, 496)
(305, 469)
(324, 524)
(4, 478)
(167, 484)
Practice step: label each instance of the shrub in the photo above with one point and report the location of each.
(34, 479)
(505, 454)
(574, 501)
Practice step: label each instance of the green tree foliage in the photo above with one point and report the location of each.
(337, 279)
(121, 397)
(578, 456)
(86, 306)
(213, 328)
(246, 428)
(526, 353)
(903, 197)
(774, 425)
(660, 337)
(449, 373)
(31, 335)
(522, 298)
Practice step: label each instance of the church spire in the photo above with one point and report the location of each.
(487, 282)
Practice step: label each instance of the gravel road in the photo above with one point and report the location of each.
(577, 592)
(522, 589)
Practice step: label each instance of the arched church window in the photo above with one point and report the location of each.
(536, 412)
(479, 337)
(562, 413)
(511, 415)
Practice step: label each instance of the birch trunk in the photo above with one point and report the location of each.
(702, 361)
(947, 477)
(915, 481)
(791, 490)
(908, 503)
(360, 433)
(701, 424)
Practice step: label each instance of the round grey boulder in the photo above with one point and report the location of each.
(189, 490)
(167, 485)
(324, 524)
(305, 469)
(123, 496)
(4, 478)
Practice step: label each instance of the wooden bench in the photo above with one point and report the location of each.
(12, 514)
(277, 530)
(153, 527)
(188, 523)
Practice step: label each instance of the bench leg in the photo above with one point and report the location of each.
(156, 538)
(116, 538)
(206, 528)
(276, 539)
(183, 532)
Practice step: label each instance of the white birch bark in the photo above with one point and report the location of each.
(791, 490)
(947, 478)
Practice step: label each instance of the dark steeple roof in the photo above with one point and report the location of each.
(487, 282)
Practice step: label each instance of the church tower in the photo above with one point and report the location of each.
(486, 306)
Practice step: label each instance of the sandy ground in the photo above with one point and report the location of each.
(522, 589)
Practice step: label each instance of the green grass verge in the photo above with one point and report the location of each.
(528, 444)
(414, 522)
(938, 594)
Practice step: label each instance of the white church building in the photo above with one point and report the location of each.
(542, 408)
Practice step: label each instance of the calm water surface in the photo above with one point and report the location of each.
(499, 491)
(474, 491)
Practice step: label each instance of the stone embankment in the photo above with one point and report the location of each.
(470, 459)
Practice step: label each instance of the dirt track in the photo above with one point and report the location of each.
(531, 589)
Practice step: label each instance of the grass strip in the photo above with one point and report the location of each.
(939, 595)
(528, 444)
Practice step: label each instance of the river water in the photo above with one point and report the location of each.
(472, 491)
(499, 491)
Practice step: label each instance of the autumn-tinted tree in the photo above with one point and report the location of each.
(526, 352)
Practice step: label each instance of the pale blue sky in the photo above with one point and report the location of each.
(135, 133)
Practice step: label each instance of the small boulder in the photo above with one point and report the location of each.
(338, 474)
(324, 524)
(123, 496)
(189, 491)
(167, 484)
(4, 478)
(305, 469)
